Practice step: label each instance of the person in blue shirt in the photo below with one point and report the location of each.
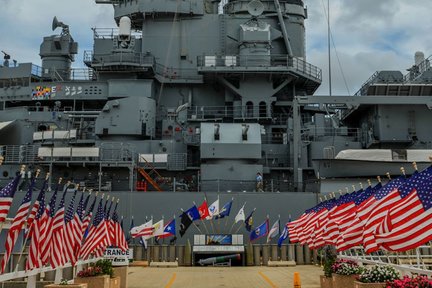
(259, 182)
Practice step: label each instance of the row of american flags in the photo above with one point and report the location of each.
(391, 217)
(203, 213)
(57, 234)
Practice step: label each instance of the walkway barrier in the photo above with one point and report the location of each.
(32, 276)
(417, 261)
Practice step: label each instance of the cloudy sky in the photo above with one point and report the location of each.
(369, 35)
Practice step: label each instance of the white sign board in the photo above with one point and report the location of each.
(118, 257)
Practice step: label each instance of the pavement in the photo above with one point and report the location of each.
(229, 277)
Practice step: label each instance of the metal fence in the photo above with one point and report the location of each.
(417, 261)
(261, 61)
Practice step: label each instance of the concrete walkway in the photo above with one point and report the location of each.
(229, 277)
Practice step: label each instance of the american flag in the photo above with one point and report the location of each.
(17, 225)
(378, 216)
(46, 227)
(354, 236)
(97, 234)
(119, 236)
(57, 256)
(78, 233)
(346, 220)
(111, 227)
(408, 223)
(88, 217)
(35, 208)
(69, 231)
(6, 197)
(33, 259)
(313, 224)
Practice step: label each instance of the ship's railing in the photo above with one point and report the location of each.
(36, 70)
(111, 33)
(86, 74)
(365, 86)
(119, 58)
(271, 185)
(251, 61)
(232, 112)
(417, 70)
(319, 132)
(29, 154)
(75, 74)
(177, 73)
(274, 138)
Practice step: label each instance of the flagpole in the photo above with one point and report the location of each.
(31, 225)
(218, 220)
(211, 223)
(205, 227)
(226, 222)
(236, 217)
(211, 220)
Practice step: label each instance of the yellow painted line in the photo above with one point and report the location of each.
(171, 281)
(267, 280)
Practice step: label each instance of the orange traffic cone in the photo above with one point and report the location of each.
(297, 283)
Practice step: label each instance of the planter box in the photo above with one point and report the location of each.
(326, 282)
(368, 285)
(82, 285)
(114, 282)
(342, 281)
(122, 272)
(94, 282)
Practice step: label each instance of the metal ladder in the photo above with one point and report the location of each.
(148, 175)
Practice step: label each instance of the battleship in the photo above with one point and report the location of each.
(185, 100)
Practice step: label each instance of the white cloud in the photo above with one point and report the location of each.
(369, 35)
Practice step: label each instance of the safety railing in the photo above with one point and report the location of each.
(417, 70)
(269, 186)
(250, 61)
(416, 261)
(230, 112)
(36, 70)
(119, 58)
(174, 73)
(365, 86)
(320, 132)
(111, 33)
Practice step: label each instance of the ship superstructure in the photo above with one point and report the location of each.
(181, 97)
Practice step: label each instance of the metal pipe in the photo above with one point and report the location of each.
(283, 27)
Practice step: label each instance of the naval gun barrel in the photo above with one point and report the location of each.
(219, 259)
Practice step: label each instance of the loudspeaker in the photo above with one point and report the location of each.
(255, 8)
(56, 23)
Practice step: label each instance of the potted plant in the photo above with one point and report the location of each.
(107, 269)
(376, 277)
(344, 273)
(65, 282)
(408, 282)
(94, 277)
(329, 257)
